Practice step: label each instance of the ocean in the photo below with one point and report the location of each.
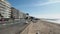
(54, 21)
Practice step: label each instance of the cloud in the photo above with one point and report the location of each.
(53, 0)
(39, 3)
(46, 3)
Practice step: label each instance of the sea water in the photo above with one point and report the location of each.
(54, 21)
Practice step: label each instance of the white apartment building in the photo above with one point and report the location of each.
(5, 8)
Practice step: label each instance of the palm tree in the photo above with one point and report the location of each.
(27, 13)
(1, 15)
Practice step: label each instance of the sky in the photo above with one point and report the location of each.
(38, 8)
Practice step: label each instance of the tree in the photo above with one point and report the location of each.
(27, 13)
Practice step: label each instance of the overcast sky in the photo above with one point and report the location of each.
(38, 8)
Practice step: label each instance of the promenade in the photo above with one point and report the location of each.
(42, 27)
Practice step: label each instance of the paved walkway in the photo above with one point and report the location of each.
(42, 27)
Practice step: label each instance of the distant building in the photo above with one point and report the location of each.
(22, 15)
(17, 14)
(14, 13)
(5, 9)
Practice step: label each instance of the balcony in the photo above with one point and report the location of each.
(6, 2)
(3, 9)
(2, 3)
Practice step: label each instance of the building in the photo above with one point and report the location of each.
(22, 15)
(5, 9)
(14, 13)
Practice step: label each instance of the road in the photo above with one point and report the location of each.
(13, 28)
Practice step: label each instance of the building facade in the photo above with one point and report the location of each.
(5, 10)
(22, 15)
(17, 14)
(14, 13)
